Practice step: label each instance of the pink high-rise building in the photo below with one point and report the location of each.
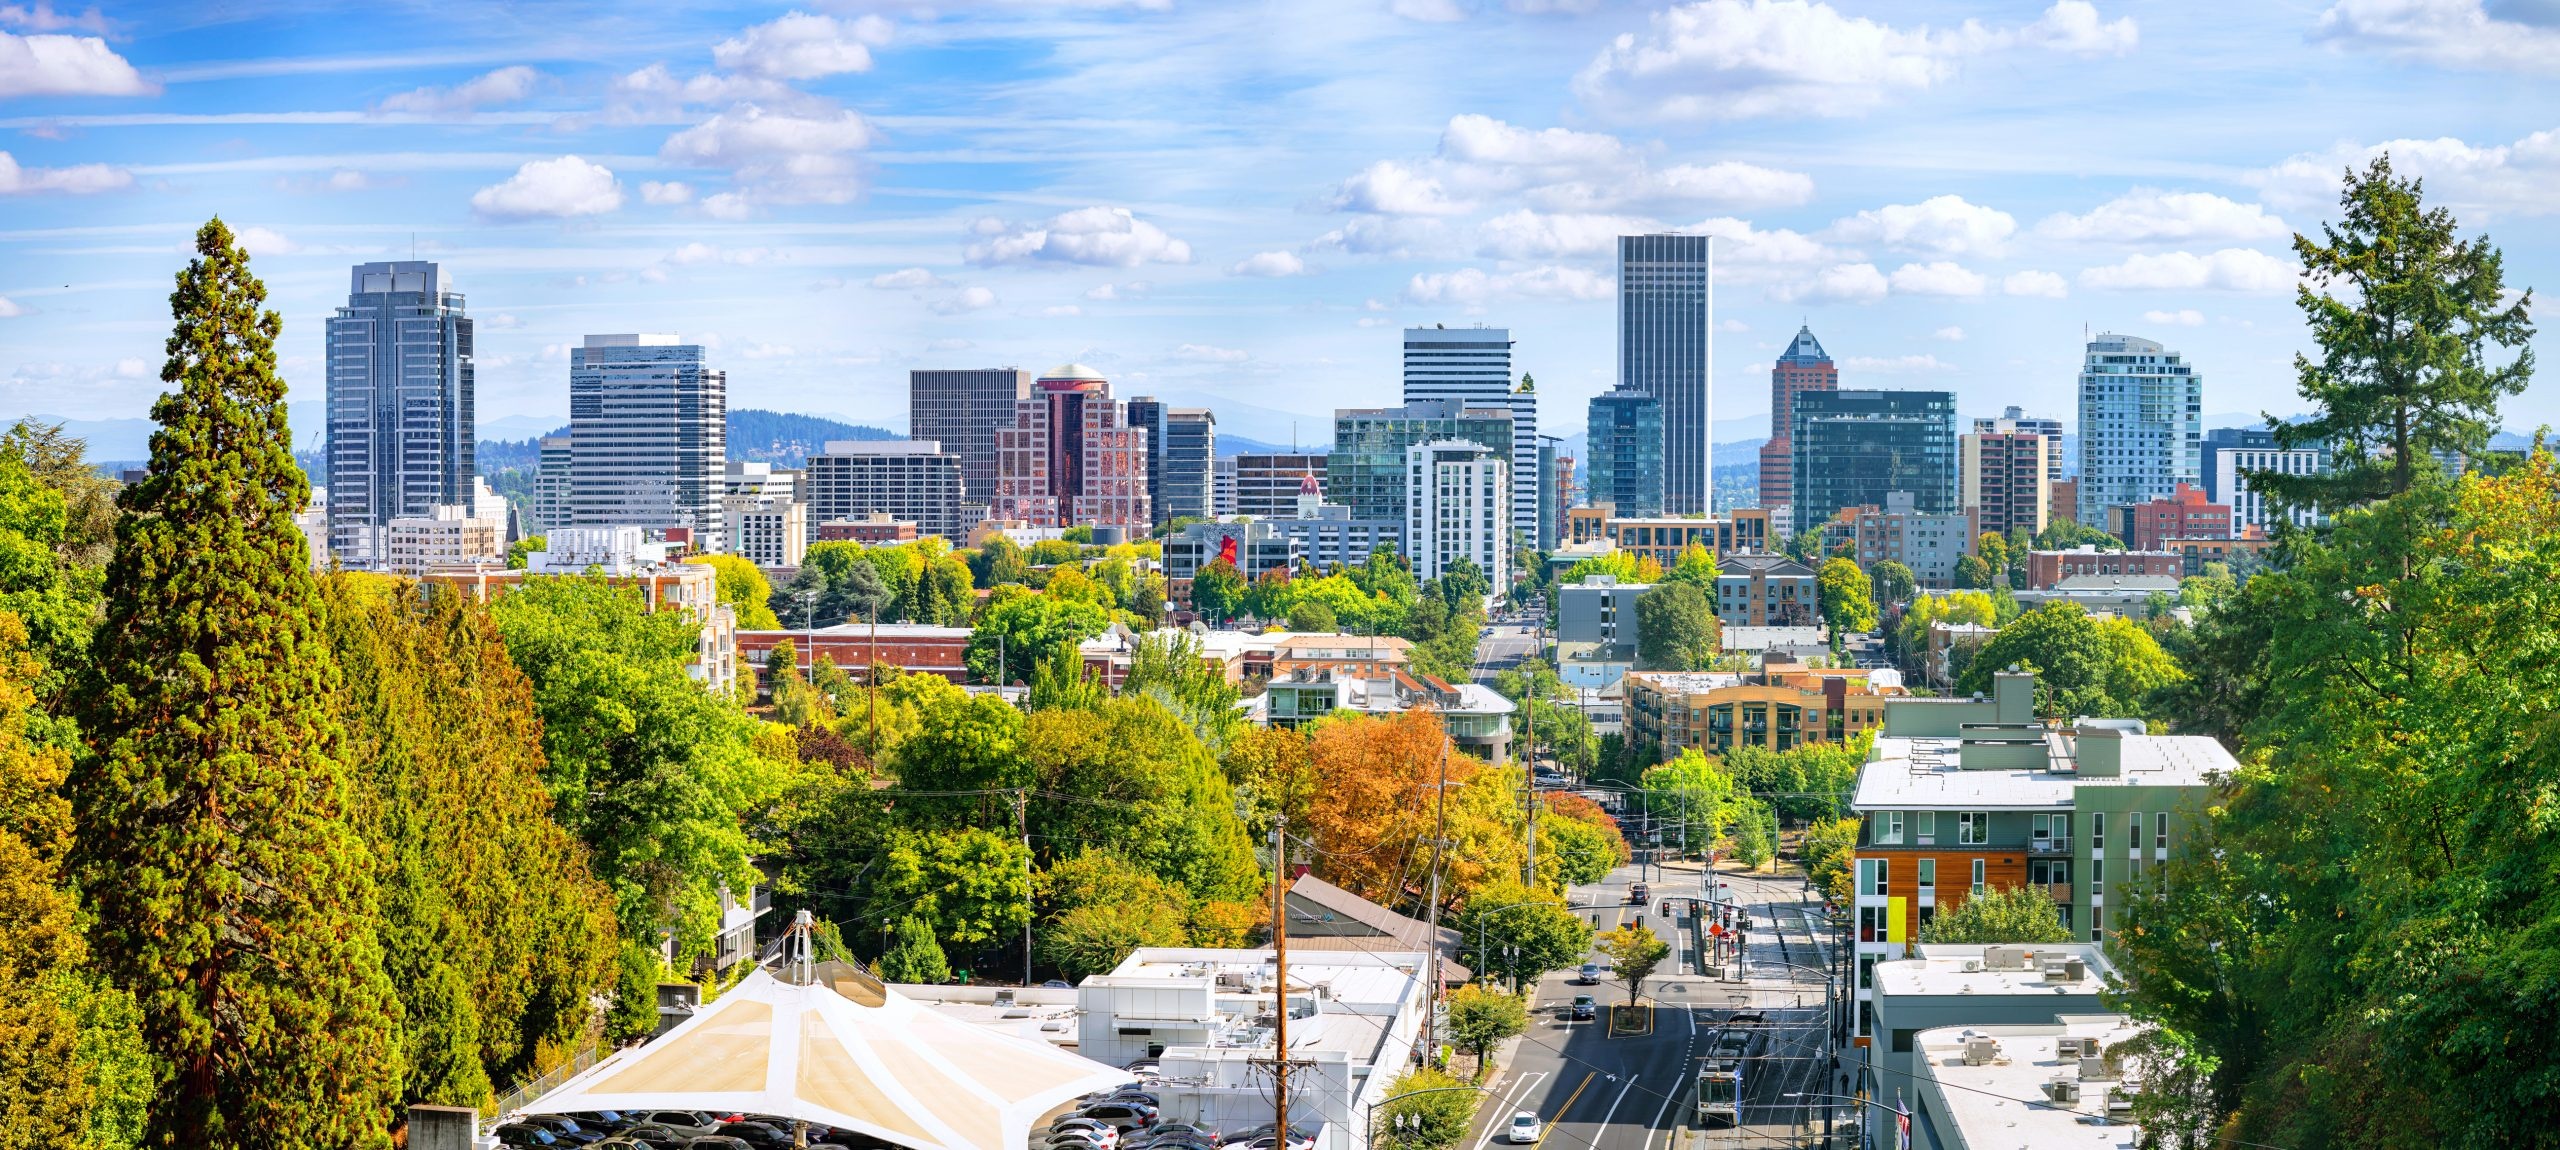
(1070, 458)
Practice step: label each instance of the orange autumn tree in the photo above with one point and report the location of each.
(1369, 809)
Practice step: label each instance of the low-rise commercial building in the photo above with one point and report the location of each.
(1763, 590)
(2124, 596)
(877, 527)
(1929, 543)
(1598, 610)
(1356, 656)
(2242, 554)
(1477, 717)
(1947, 985)
(2188, 514)
(1663, 539)
(2047, 569)
(2051, 1086)
(915, 648)
(1783, 706)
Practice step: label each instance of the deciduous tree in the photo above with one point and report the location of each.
(1676, 628)
(1999, 914)
(1480, 1017)
(1847, 604)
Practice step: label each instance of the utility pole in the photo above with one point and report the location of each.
(1530, 708)
(1021, 826)
(1280, 960)
(1431, 966)
(871, 681)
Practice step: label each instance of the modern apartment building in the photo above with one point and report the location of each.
(1758, 589)
(2013, 420)
(449, 535)
(649, 436)
(1184, 464)
(1666, 344)
(1366, 471)
(962, 409)
(2007, 478)
(2141, 424)
(1780, 707)
(1803, 367)
(1599, 610)
(1267, 483)
(1222, 487)
(1069, 458)
(401, 434)
(767, 530)
(551, 485)
(1853, 448)
(1625, 436)
(1967, 795)
(1929, 543)
(1472, 366)
(906, 479)
(1663, 539)
(2231, 453)
(2186, 514)
(759, 479)
(1459, 509)
(1555, 484)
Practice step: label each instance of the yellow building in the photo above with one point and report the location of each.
(1780, 707)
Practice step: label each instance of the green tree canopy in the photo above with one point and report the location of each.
(1999, 914)
(1894, 582)
(2083, 665)
(971, 887)
(1027, 629)
(1847, 603)
(1634, 953)
(1480, 1017)
(1518, 933)
(1129, 777)
(915, 958)
(41, 948)
(1676, 628)
(743, 587)
(1975, 573)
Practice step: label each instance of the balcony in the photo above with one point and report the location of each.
(2060, 892)
(2050, 846)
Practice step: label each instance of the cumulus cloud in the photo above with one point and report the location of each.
(2044, 285)
(1560, 169)
(1940, 225)
(727, 206)
(1398, 236)
(1096, 236)
(654, 89)
(1269, 264)
(2475, 179)
(565, 187)
(1895, 364)
(266, 242)
(1390, 188)
(1528, 235)
(2448, 33)
(2183, 317)
(77, 180)
(1108, 291)
(1840, 283)
(1428, 11)
(1739, 59)
(666, 193)
(1475, 285)
(504, 86)
(908, 279)
(9, 308)
(800, 46)
(784, 157)
(1753, 252)
(40, 17)
(2230, 269)
(2145, 215)
(967, 299)
(1951, 334)
(1941, 278)
(56, 65)
(1207, 353)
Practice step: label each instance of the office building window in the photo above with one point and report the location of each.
(1889, 827)
(1872, 876)
(1925, 824)
(2097, 833)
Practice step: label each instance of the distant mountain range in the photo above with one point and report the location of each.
(780, 438)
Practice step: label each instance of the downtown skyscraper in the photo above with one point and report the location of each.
(648, 436)
(401, 433)
(1473, 365)
(1666, 344)
(2141, 424)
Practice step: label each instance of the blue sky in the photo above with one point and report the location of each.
(1239, 204)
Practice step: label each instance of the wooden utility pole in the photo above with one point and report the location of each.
(1431, 964)
(1021, 826)
(1280, 959)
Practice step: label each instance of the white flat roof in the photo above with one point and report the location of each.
(1921, 774)
(2001, 1105)
(1940, 969)
(1371, 978)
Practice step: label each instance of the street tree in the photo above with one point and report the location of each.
(1676, 628)
(1218, 591)
(1435, 1115)
(1848, 605)
(1520, 934)
(1894, 582)
(1974, 573)
(1634, 951)
(913, 956)
(1480, 1017)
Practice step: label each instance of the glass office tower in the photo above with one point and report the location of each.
(1852, 448)
(401, 434)
(1666, 341)
(1624, 463)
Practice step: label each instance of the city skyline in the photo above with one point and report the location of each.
(828, 201)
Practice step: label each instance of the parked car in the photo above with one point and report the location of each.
(1133, 1093)
(1108, 1134)
(569, 1130)
(1590, 975)
(689, 1123)
(1164, 1128)
(1525, 1129)
(717, 1142)
(526, 1134)
(1584, 1008)
(761, 1135)
(656, 1137)
(1127, 1116)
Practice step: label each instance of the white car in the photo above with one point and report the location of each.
(1525, 1129)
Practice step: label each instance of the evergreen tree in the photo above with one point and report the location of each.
(232, 896)
(915, 957)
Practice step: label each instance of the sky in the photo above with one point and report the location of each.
(1239, 204)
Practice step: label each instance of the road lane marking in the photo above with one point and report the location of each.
(1613, 1103)
(1688, 1081)
(1587, 1076)
(1502, 1117)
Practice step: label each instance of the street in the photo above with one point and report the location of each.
(1503, 649)
(1595, 1084)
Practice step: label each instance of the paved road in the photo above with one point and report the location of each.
(1503, 650)
(1595, 1086)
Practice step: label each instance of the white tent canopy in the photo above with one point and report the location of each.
(882, 1065)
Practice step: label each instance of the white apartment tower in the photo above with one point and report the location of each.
(1473, 365)
(649, 436)
(1457, 506)
(2141, 424)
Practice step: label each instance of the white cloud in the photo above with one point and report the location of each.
(2230, 269)
(694, 253)
(504, 86)
(1752, 252)
(1895, 365)
(1208, 353)
(1941, 225)
(349, 180)
(134, 369)
(1942, 278)
(1061, 309)
(666, 193)
(2183, 317)
(1475, 285)
(1528, 235)
(967, 299)
(1390, 188)
(2145, 215)
(783, 157)
(53, 65)
(727, 206)
(1269, 264)
(2448, 33)
(9, 308)
(908, 279)
(1133, 289)
(1098, 236)
(266, 242)
(2475, 179)
(1560, 169)
(1738, 59)
(77, 180)
(800, 46)
(1840, 283)
(1430, 11)
(1951, 334)
(42, 18)
(568, 186)
(503, 321)
(1397, 236)
(2045, 285)
(1732, 325)
(1478, 139)
(654, 89)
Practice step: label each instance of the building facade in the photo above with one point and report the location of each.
(1471, 366)
(962, 410)
(1366, 470)
(1927, 543)
(2231, 453)
(910, 479)
(1069, 458)
(767, 530)
(1598, 610)
(2014, 420)
(1459, 509)
(1780, 707)
(1804, 367)
(1625, 450)
(401, 431)
(551, 485)
(1853, 448)
(1267, 483)
(1763, 590)
(2141, 424)
(1666, 345)
(1662, 540)
(2185, 514)
(2047, 569)
(649, 436)
(2006, 478)
(449, 535)
(1185, 463)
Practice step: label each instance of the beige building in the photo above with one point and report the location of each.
(1783, 706)
(767, 530)
(450, 536)
(1359, 655)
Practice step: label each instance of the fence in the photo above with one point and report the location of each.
(591, 1050)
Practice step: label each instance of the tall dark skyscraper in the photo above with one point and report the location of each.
(961, 410)
(1625, 455)
(1666, 344)
(401, 431)
(1852, 448)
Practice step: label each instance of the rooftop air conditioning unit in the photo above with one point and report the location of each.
(1973, 966)
(1981, 1051)
(2096, 1066)
(2063, 1090)
(2075, 969)
(2004, 958)
(2119, 1103)
(2067, 1046)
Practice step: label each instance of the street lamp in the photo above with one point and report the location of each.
(1371, 1137)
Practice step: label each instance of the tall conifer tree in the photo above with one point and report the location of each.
(232, 896)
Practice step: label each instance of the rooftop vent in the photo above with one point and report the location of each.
(2006, 957)
(1979, 1051)
(2065, 1091)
